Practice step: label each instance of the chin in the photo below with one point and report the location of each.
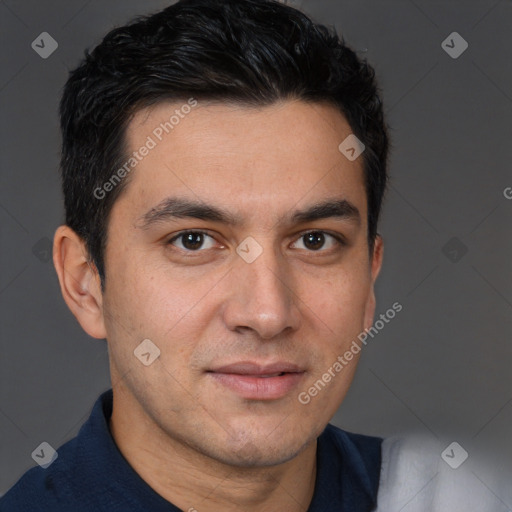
(259, 449)
(261, 455)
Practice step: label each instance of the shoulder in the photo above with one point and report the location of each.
(409, 465)
(416, 476)
(359, 448)
(75, 468)
(353, 462)
(43, 488)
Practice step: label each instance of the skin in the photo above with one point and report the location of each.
(208, 308)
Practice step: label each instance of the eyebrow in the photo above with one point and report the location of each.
(173, 208)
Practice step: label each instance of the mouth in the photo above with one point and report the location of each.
(253, 381)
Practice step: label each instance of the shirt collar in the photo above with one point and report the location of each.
(348, 468)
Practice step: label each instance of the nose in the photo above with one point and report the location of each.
(262, 297)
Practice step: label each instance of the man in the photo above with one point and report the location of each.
(223, 166)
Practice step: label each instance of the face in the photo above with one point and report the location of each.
(239, 248)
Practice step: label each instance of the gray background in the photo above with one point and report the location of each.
(441, 367)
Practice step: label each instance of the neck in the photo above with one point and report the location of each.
(193, 481)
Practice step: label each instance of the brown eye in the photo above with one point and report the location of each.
(192, 240)
(317, 240)
(314, 240)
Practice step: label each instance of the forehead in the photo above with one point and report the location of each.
(258, 159)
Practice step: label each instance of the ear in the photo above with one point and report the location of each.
(79, 281)
(375, 266)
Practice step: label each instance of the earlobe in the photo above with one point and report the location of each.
(79, 281)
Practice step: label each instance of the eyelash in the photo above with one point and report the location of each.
(340, 240)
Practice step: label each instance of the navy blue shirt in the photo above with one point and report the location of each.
(90, 474)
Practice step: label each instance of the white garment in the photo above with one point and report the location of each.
(415, 478)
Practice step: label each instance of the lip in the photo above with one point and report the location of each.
(251, 368)
(255, 381)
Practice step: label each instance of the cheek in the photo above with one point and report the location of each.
(340, 303)
(145, 291)
(146, 300)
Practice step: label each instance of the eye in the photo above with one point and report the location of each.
(316, 240)
(192, 240)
